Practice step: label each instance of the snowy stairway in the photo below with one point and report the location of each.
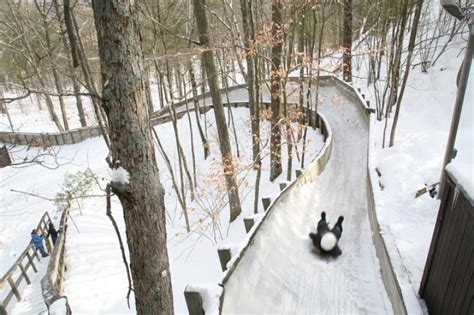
(32, 301)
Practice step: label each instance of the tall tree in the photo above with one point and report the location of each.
(207, 58)
(277, 48)
(142, 196)
(347, 41)
(408, 61)
(250, 53)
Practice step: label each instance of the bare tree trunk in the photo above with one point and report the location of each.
(76, 44)
(125, 103)
(43, 12)
(205, 144)
(72, 71)
(411, 46)
(34, 62)
(226, 151)
(275, 133)
(188, 114)
(395, 67)
(250, 53)
(347, 42)
(231, 122)
(174, 117)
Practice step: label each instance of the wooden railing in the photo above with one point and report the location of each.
(9, 286)
(47, 139)
(52, 283)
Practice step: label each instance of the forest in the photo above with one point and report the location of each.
(207, 113)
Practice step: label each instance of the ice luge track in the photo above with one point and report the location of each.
(279, 273)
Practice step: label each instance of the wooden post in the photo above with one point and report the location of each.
(224, 257)
(248, 223)
(4, 157)
(14, 289)
(23, 271)
(31, 261)
(266, 203)
(194, 302)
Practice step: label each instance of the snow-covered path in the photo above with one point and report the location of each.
(32, 301)
(279, 272)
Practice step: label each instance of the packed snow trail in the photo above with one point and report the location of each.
(279, 272)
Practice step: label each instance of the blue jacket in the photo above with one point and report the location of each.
(37, 240)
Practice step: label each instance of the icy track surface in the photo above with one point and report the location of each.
(279, 272)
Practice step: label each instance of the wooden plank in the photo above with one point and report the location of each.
(445, 201)
(465, 274)
(454, 261)
(24, 272)
(460, 256)
(224, 257)
(248, 223)
(266, 203)
(431, 268)
(31, 262)
(445, 259)
(283, 186)
(14, 289)
(193, 302)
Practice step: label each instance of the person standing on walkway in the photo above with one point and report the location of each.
(53, 233)
(37, 239)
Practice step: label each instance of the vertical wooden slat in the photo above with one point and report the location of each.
(457, 256)
(445, 200)
(448, 279)
(445, 260)
(465, 277)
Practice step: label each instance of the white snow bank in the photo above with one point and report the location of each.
(210, 294)
(59, 307)
(463, 174)
(235, 248)
(462, 167)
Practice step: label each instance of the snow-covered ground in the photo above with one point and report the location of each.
(415, 161)
(96, 281)
(32, 302)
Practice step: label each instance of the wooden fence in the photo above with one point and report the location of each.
(447, 285)
(9, 286)
(46, 139)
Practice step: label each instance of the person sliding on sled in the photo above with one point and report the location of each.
(325, 240)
